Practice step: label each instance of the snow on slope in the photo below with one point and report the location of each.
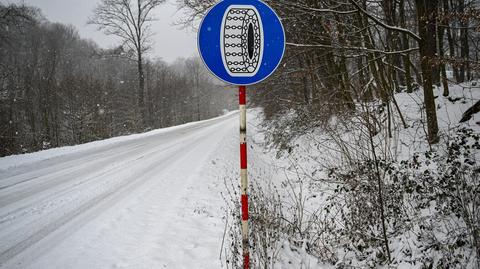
(313, 153)
(142, 201)
(449, 112)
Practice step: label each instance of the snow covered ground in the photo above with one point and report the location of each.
(311, 155)
(142, 201)
(154, 200)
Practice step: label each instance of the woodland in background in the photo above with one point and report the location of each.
(343, 51)
(58, 89)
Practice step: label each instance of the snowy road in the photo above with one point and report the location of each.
(142, 201)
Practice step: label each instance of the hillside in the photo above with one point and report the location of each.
(317, 202)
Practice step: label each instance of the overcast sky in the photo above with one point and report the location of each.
(171, 42)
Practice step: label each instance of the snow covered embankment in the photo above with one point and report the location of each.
(326, 189)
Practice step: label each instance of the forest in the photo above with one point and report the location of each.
(343, 52)
(57, 89)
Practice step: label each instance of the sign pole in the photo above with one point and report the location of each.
(242, 42)
(242, 96)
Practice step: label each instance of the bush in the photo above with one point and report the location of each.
(431, 202)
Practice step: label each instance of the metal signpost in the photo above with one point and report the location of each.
(242, 43)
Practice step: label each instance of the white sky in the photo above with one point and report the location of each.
(170, 41)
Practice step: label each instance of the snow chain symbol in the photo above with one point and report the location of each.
(242, 40)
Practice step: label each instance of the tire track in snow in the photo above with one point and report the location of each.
(68, 173)
(128, 184)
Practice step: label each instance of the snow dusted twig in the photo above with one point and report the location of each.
(353, 48)
(323, 10)
(384, 25)
(223, 238)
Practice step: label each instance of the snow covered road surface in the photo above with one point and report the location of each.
(142, 201)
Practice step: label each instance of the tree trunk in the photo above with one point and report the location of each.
(426, 16)
(464, 49)
(141, 90)
(451, 41)
(405, 46)
(443, 69)
(393, 39)
(434, 60)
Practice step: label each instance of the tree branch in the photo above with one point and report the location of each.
(384, 25)
(352, 48)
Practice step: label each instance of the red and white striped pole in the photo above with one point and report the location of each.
(242, 96)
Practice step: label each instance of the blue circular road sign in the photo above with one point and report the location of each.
(241, 41)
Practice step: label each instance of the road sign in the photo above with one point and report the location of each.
(241, 41)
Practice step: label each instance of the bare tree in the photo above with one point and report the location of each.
(194, 67)
(129, 20)
(426, 16)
